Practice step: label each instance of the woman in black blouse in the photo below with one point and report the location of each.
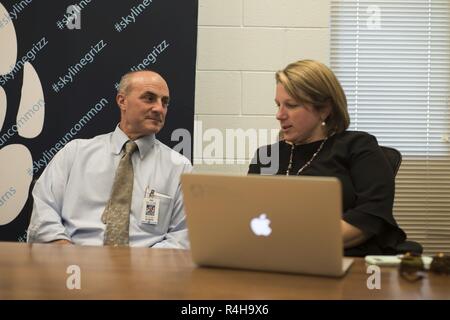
(312, 111)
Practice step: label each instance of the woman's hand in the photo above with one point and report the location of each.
(352, 235)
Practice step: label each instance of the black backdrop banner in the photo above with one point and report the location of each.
(60, 64)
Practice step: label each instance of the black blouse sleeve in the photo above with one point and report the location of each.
(373, 181)
(265, 161)
(254, 167)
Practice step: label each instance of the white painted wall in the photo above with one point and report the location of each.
(241, 44)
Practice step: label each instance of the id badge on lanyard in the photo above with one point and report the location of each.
(150, 210)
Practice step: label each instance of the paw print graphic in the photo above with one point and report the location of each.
(15, 159)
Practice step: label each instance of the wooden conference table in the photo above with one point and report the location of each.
(39, 271)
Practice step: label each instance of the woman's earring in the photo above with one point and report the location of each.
(323, 123)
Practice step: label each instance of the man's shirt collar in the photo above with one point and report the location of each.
(119, 138)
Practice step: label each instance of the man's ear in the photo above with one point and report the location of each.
(120, 100)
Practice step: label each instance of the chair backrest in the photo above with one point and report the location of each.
(394, 157)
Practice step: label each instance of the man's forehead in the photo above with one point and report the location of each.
(150, 81)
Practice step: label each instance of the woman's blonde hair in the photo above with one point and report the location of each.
(312, 82)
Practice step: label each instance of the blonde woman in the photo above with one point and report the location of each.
(313, 116)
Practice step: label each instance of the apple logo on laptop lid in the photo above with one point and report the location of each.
(260, 225)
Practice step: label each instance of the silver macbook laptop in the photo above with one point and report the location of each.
(268, 223)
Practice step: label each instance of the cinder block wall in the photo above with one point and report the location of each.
(241, 43)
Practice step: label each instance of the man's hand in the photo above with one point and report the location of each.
(61, 242)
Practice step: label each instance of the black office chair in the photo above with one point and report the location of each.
(394, 157)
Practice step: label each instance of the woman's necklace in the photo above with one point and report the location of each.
(289, 168)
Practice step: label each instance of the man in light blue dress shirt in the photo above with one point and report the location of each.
(73, 191)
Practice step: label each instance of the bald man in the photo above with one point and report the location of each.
(120, 188)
